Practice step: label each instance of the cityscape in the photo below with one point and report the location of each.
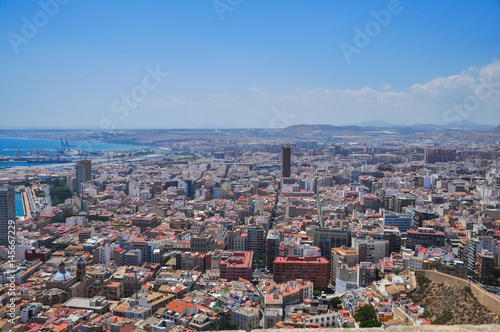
(295, 228)
(185, 166)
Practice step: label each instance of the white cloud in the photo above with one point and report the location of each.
(445, 87)
(421, 103)
(393, 98)
(385, 86)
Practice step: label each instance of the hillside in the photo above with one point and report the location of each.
(450, 305)
(309, 128)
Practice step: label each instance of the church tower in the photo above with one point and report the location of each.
(62, 267)
(81, 276)
(81, 273)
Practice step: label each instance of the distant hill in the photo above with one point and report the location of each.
(376, 128)
(460, 124)
(497, 129)
(466, 123)
(424, 126)
(318, 127)
(375, 123)
(305, 127)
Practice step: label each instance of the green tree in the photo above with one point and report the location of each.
(259, 259)
(226, 325)
(444, 318)
(336, 303)
(59, 192)
(366, 316)
(96, 217)
(316, 292)
(377, 275)
(65, 215)
(426, 314)
(422, 281)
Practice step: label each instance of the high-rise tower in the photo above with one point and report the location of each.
(7, 212)
(286, 161)
(83, 173)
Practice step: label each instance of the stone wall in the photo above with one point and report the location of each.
(485, 298)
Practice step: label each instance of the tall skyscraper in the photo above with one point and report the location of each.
(328, 238)
(83, 173)
(7, 212)
(286, 161)
(256, 240)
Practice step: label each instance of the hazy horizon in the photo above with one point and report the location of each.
(360, 125)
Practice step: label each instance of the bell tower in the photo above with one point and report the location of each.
(81, 272)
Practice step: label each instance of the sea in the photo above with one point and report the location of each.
(8, 147)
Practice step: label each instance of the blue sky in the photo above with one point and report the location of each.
(247, 63)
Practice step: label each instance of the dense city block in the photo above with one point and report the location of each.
(217, 230)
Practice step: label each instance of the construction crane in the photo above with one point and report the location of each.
(65, 145)
(37, 153)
